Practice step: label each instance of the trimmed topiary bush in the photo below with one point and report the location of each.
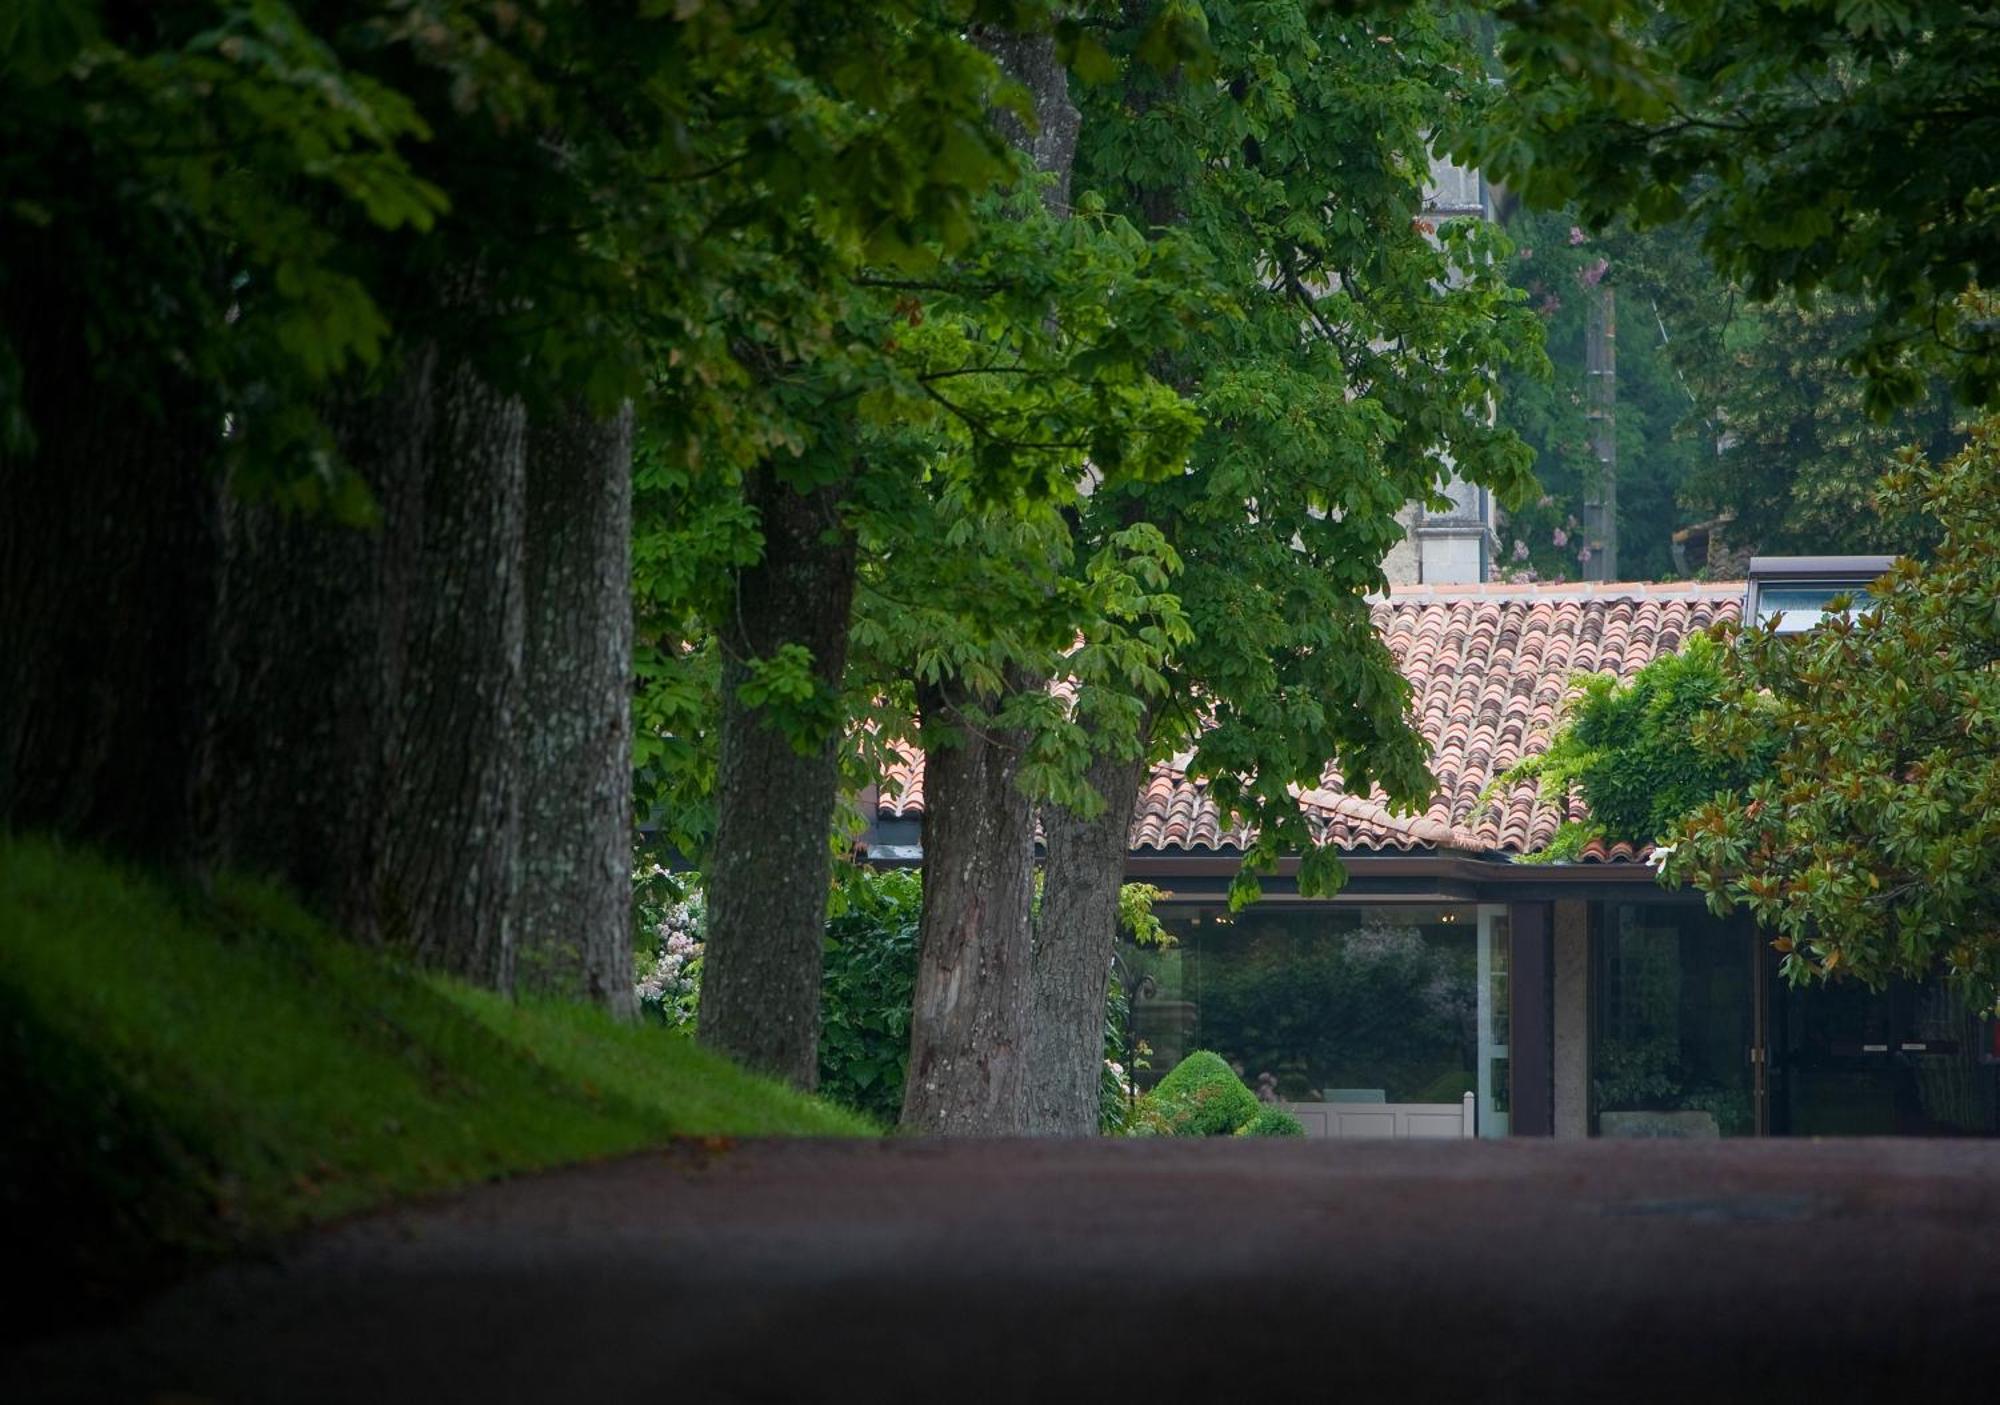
(1202, 1097)
(1272, 1122)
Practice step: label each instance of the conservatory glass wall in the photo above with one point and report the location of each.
(1331, 1004)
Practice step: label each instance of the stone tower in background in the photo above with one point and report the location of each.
(1455, 544)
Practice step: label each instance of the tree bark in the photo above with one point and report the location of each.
(1031, 60)
(969, 1024)
(454, 812)
(576, 820)
(1083, 870)
(771, 864)
(110, 547)
(312, 664)
(366, 737)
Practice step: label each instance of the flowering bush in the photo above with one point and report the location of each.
(672, 916)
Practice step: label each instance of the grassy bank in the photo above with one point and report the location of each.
(193, 1073)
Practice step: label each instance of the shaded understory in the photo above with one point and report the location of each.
(191, 1074)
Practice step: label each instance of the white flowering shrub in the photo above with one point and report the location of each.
(673, 920)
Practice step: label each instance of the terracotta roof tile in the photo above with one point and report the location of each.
(1489, 670)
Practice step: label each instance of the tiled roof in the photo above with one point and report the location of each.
(1489, 669)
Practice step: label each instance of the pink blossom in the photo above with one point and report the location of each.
(1520, 550)
(1583, 555)
(1590, 277)
(1559, 537)
(1576, 236)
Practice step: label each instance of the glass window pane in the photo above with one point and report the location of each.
(1316, 1005)
(1674, 1023)
(1495, 1078)
(1802, 605)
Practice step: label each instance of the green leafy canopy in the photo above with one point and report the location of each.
(1822, 146)
(1869, 848)
(1629, 751)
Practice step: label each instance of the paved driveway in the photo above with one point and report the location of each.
(1118, 1271)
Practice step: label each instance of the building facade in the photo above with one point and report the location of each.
(1453, 544)
(1574, 1000)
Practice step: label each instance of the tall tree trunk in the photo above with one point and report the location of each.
(576, 818)
(771, 863)
(969, 1023)
(1032, 61)
(1075, 935)
(367, 741)
(312, 665)
(454, 803)
(110, 544)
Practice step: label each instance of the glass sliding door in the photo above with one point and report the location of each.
(1674, 1024)
(1910, 1060)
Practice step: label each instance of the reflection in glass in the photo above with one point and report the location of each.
(1317, 1004)
(1902, 1061)
(1674, 1013)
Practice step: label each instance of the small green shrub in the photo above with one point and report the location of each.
(1272, 1122)
(1202, 1097)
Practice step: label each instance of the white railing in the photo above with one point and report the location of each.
(1401, 1120)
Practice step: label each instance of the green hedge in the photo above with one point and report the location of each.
(1272, 1122)
(1202, 1097)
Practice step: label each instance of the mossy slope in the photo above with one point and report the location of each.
(190, 1073)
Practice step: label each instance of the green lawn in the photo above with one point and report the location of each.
(186, 1073)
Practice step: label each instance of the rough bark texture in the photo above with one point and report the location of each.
(970, 1020)
(454, 809)
(771, 863)
(313, 663)
(366, 738)
(576, 815)
(970, 1023)
(1031, 60)
(110, 541)
(1083, 870)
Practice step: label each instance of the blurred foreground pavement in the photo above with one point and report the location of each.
(1131, 1271)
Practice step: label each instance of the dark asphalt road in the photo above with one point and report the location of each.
(1126, 1271)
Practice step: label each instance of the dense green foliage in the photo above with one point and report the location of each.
(1660, 439)
(193, 174)
(1817, 146)
(1797, 449)
(1200, 1097)
(1563, 272)
(954, 394)
(1630, 751)
(1347, 372)
(871, 972)
(1869, 847)
(1730, 412)
(1272, 1122)
(188, 1072)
